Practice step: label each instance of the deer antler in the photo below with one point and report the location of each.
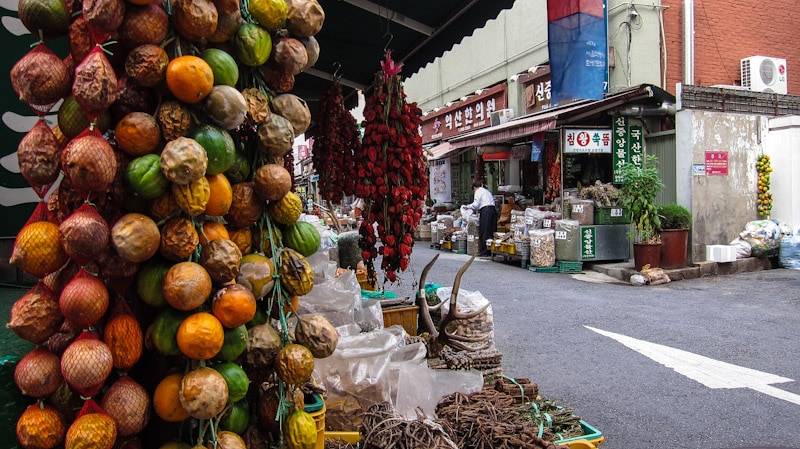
(450, 339)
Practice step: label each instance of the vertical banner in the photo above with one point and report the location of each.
(619, 146)
(636, 145)
(441, 181)
(537, 147)
(578, 46)
(588, 242)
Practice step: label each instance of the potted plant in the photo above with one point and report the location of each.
(675, 223)
(638, 191)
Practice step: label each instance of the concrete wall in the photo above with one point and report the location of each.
(517, 41)
(726, 32)
(720, 205)
(783, 147)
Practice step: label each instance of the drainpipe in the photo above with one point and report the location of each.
(688, 42)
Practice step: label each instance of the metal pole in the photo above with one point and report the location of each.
(688, 42)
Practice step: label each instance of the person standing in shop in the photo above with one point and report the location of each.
(487, 216)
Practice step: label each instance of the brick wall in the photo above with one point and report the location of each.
(726, 32)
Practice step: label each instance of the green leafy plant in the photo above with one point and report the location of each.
(674, 216)
(639, 189)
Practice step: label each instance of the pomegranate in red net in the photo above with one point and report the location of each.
(104, 15)
(96, 86)
(289, 54)
(89, 163)
(129, 404)
(40, 78)
(38, 157)
(86, 364)
(84, 234)
(144, 24)
(36, 316)
(84, 300)
(38, 374)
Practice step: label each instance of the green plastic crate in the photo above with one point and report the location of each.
(611, 215)
(544, 269)
(570, 267)
(590, 434)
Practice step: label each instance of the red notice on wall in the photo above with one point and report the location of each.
(716, 163)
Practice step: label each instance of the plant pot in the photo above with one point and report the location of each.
(646, 253)
(674, 245)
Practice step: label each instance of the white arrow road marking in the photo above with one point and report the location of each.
(709, 372)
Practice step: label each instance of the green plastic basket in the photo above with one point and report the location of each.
(590, 434)
(570, 267)
(611, 215)
(544, 269)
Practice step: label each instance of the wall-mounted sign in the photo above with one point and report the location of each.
(716, 163)
(537, 90)
(619, 146)
(501, 156)
(588, 242)
(464, 116)
(441, 181)
(302, 152)
(587, 140)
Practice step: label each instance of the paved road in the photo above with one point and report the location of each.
(587, 340)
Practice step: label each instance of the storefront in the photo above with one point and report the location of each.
(553, 157)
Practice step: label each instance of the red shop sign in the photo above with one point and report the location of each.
(716, 163)
(464, 116)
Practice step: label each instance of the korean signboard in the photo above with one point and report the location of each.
(588, 242)
(627, 145)
(587, 140)
(716, 163)
(464, 116)
(537, 90)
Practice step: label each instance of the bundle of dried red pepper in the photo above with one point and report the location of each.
(334, 145)
(390, 173)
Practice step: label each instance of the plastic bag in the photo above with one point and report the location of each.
(481, 325)
(357, 375)
(466, 214)
(543, 247)
(568, 240)
(335, 299)
(743, 248)
(368, 314)
(324, 268)
(764, 237)
(421, 387)
(789, 252)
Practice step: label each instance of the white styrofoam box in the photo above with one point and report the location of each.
(720, 253)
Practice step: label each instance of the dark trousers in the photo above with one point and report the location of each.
(487, 226)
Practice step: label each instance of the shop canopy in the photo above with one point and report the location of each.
(580, 111)
(356, 33)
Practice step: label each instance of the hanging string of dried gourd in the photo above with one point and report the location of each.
(390, 173)
(335, 145)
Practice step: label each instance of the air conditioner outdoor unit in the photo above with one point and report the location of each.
(764, 74)
(501, 116)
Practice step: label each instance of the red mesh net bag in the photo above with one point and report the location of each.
(86, 364)
(37, 248)
(35, 316)
(103, 16)
(129, 404)
(40, 79)
(92, 428)
(38, 155)
(84, 300)
(96, 85)
(84, 234)
(89, 163)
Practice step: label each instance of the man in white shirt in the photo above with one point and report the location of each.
(487, 222)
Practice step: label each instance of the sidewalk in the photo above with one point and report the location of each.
(624, 270)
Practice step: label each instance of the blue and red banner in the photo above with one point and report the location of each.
(578, 46)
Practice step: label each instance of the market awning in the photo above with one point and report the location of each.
(550, 118)
(356, 33)
(439, 151)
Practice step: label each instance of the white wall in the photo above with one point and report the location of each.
(782, 144)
